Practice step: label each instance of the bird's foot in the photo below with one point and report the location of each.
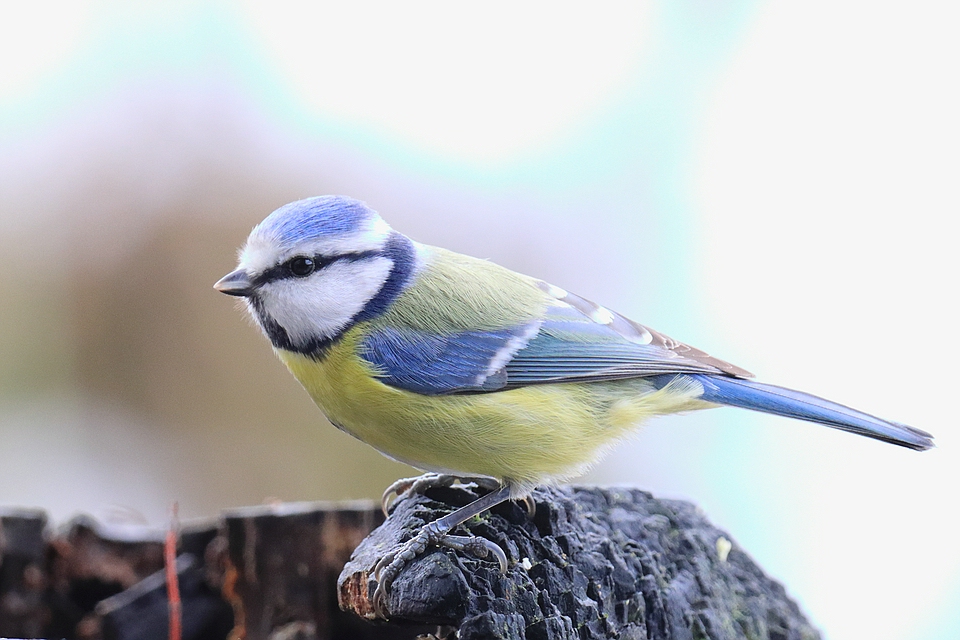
(419, 484)
(390, 566)
(437, 533)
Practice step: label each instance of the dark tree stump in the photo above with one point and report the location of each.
(142, 612)
(283, 564)
(90, 561)
(592, 563)
(106, 581)
(23, 611)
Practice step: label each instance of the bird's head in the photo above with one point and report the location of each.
(315, 267)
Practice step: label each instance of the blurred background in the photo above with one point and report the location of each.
(772, 182)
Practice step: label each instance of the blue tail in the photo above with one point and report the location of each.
(736, 392)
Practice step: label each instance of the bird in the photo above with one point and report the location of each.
(463, 368)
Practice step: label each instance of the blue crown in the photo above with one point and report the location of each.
(317, 217)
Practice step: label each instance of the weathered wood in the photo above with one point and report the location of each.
(94, 562)
(284, 560)
(592, 563)
(142, 611)
(23, 612)
(100, 581)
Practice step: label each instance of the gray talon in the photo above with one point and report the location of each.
(419, 484)
(403, 486)
(436, 533)
(530, 505)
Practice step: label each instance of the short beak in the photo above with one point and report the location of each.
(235, 283)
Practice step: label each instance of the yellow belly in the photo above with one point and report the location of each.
(523, 436)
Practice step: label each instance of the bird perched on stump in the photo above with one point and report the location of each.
(459, 366)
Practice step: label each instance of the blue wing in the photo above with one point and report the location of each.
(575, 340)
(589, 343)
(578, 341)
(434, 364)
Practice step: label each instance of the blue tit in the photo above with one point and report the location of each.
(458, 366)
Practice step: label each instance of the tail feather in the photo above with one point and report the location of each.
(736, 392)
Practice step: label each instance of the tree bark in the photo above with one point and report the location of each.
(592, 563)
(283, 565)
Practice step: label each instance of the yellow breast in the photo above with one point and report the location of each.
(526, 436)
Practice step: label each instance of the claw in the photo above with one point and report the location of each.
(401, 487)
(379, 603)
(497, 552)
(476, 546)
(419, 484)
(389, 566)
(530, 505)
(382, 564)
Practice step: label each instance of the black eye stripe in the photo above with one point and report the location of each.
(282, 271)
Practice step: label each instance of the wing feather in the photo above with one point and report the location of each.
(566, 339)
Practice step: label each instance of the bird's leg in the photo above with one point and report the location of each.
(435, 533)
(419, 484)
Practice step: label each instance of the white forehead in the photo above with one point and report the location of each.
(264, 247)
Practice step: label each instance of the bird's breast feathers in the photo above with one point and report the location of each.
(527, 434)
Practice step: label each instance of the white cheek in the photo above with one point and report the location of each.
(322, 304)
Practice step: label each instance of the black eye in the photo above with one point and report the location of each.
(301, 266)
